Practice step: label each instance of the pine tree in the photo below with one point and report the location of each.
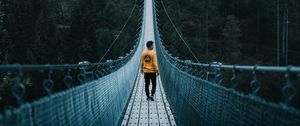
(43, 32)
(103, 39)
(85, 51)
(231, 34)
(39, 51)
(6, 47)
(2, 14)
(31, 57)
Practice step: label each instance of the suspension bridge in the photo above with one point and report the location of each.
(111, 93)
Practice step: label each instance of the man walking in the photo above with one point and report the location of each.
(149, 67)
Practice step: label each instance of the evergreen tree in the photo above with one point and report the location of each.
(85, 51)
(103, 39)
(39, 53)
(6, 47)
(44, 30)
(32, 58)
(2, 14)
(231, 43)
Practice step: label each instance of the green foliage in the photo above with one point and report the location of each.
(85, 50)
(8, 80)
(231, 43)
(2, 14)
(62, 31)
(235, 31)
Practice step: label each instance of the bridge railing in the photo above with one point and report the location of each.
(19, 77)
(218, 94)
(95, 94)
(92, 93)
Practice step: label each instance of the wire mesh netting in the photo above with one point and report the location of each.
(197, 101)
(99, 102)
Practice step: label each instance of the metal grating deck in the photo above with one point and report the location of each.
(141, 112)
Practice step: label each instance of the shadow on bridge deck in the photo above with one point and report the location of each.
(142, 112)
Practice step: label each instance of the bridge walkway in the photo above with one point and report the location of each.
(141, 112)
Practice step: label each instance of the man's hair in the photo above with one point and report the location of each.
(149, 43)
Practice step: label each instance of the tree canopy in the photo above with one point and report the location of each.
(245, 32)
(65, 31)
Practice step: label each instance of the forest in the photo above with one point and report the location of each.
(245, 32)
(66, 31)
(61, 32)
(236, 32)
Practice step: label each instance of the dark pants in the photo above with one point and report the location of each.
(148, 77)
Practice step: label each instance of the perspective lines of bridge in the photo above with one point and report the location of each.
(188, 94)
(142, 112)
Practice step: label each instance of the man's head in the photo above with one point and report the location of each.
(150, 45)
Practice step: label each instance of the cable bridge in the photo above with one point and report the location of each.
(112, 92)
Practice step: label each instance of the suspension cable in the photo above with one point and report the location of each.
(179, 33)
(111, 45)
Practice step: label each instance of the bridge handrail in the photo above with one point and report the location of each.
(18, 67)
(212, 72)
(291, 69)
(279, 69)
(41, 67)
(197, 100)
(97, 102)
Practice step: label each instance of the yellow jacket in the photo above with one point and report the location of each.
(149, 62)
